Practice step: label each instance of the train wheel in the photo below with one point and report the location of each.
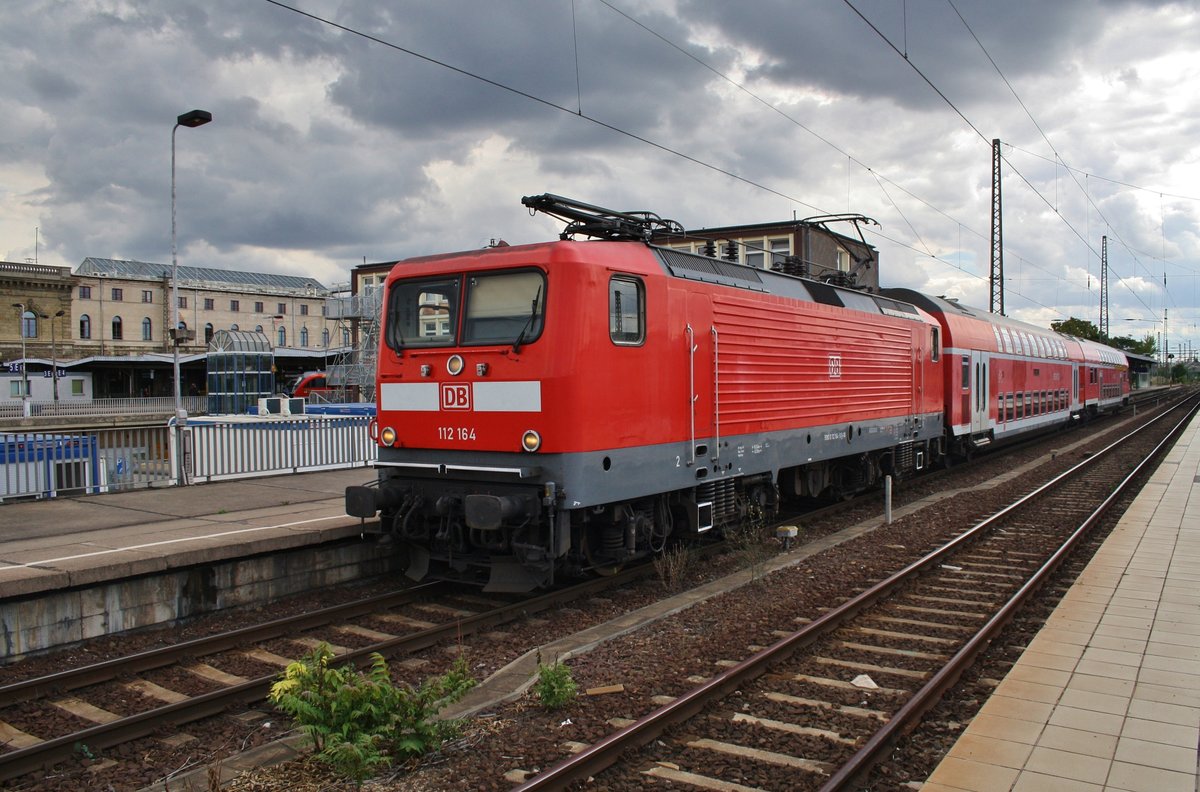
(603, 568)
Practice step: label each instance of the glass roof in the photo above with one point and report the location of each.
(150, 271)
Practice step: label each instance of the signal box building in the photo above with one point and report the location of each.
(799, 247)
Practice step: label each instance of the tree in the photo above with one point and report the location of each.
(1179, 373)
(1080, 328)
(1147, 346)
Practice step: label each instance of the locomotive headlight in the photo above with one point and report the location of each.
(388, 436)
(531, 441)
(454, 365)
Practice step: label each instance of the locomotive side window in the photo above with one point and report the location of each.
(504, 308)
(626, 311)
(935, 345)
(422, 313)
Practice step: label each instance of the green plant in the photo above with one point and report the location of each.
(554, 687)
(358, 720)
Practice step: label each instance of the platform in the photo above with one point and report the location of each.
(64, 542)
(76, 568)
(1107, 695)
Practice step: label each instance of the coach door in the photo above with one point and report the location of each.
(980, 396)
(703, 342)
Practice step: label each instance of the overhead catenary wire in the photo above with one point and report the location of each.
(983, 137)
(578, 112)
(547, 103)
(1058, 158)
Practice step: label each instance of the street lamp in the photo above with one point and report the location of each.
(54, 350)
(193, 118)
(24, 361)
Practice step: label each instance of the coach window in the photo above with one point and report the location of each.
(626, 311)
(966, 372)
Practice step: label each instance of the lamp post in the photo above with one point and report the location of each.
(24, 362)
(54, 350)
(192, 118)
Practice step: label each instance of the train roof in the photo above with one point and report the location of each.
(692, 266)
(1091, 350)
(678, 264)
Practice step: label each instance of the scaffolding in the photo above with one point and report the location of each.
(352, 375)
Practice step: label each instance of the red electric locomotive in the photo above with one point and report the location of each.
(569, 406)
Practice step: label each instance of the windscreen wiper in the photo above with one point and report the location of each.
(533, 311)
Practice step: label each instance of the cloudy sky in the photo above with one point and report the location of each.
(347, 130)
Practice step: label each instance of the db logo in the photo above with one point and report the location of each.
(456, 396)
(835, 366)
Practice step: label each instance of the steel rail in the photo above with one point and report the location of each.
(106, 670)
(44, 754)
(601, 755)
(945, 678)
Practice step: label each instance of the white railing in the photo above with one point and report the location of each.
(149, 405)
(49, 465)
(237, 447)
(35, 465)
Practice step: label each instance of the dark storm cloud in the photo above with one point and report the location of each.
(328, 146)
(830, 47)
(601, 65)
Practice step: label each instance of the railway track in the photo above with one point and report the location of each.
(416, 618)
(162, 710)
(927, 477)
(818, 707)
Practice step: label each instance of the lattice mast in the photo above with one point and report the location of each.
(997, 279)
(1104, 287)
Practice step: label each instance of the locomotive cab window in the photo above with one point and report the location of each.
(626, 311)
(504, 308)
(422, 313)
